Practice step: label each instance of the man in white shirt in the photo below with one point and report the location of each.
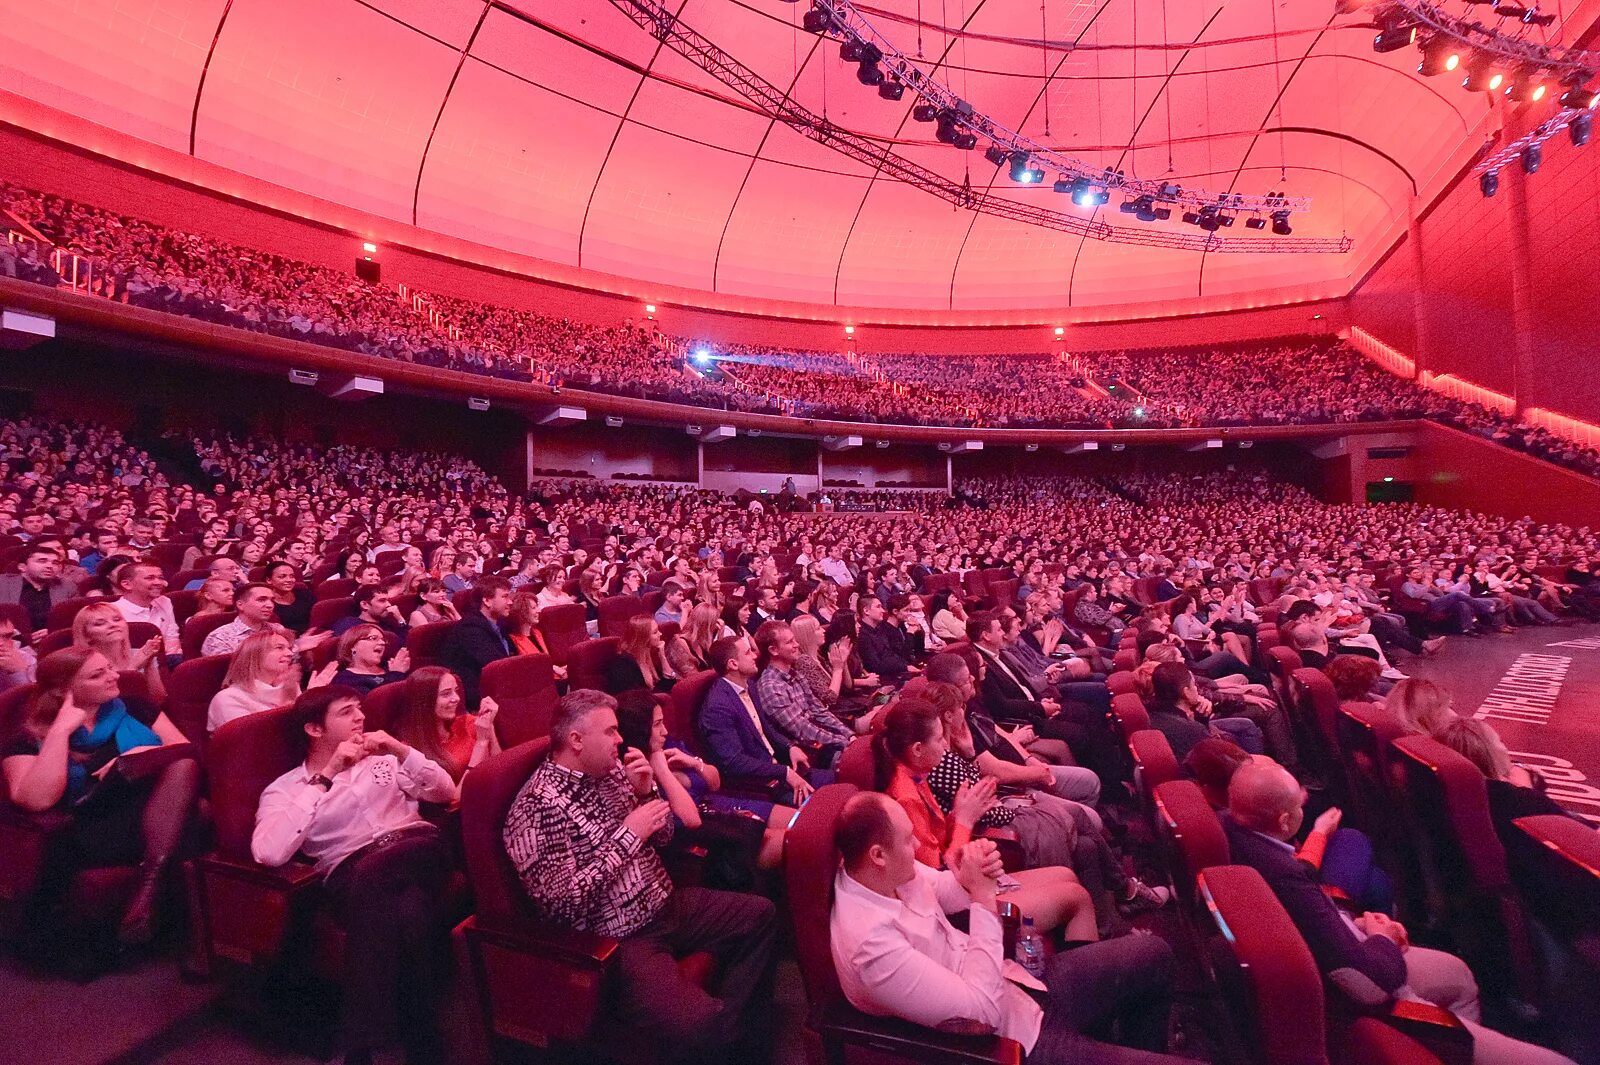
(144, 599)
(351, 807)
(898, 955)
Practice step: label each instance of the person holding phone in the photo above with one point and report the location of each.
(66, 758)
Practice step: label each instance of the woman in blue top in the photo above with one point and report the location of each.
(65, 758)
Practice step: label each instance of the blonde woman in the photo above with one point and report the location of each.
(690, 650)
(641, 660)
(263, 674)
(101, 627)
(1421, 706)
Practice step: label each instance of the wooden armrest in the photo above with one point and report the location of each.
(1010, 846)
(564, 945)
(249, 908)
(843, 1024)
(292, 877)
(1435, 1028)
(512, 956)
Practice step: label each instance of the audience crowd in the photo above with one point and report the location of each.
(1313, 381)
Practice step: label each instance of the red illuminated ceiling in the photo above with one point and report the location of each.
(558, 129)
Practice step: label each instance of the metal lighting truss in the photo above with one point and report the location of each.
(666, 27)
(845, 23)
(1512, 152)
(1566, 64)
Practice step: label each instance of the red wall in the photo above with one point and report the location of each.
(1457, 469)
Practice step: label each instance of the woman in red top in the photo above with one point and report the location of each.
(431, 721)
(911, 743)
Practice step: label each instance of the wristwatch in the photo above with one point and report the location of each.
(327, 785)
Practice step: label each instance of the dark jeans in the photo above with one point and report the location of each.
(1117, 989)
(389, 899)
(692, 1023)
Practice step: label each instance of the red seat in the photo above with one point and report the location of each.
(1125, 660)
(426, 643)
(615, 610)
(382, 706)
(525, 690)
(1468, 885)
(1130, 714)
(1190, 835)
(339, 588)
(183, 577)
(1121, 683)
(193, 635)
(508, 952)
(189, 693)
(836, 1031)
(683, 708)
(1153, 763)
(856, 766)
(563, 626)
(1555, 861)
(1281, 663)
(586, 662)
(62, 613)
(53, 641)
(324, 612)
(184, 604)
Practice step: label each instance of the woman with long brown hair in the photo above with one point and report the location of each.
(641, 660)
(72, 755)
(690, 650)
(431, 721)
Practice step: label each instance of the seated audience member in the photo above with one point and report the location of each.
(352, 808)
(463, 575)
(360, 656)
(208, 542)
(37, 586)
(291, 600)
(478, 639)
(1421, 706)
(221, 569)
(583, 834)
(1514, 791)
(643, 726)
(1230, 696)
(255, 611)
(432, 721)
(73, 755)
(1183, 715)
(947, 617)
(741, 742)
(433, 605)
(1354, 678)
(554, 590)
(910, 746)
(100, 627)
(214, 597)
(1453, 608)
(141, 591)
(690, 650)
(18, 661)
(1190, 626)
(898, 955)
(374, 606)
(789, 703)
(674, 606)
(263, 675)
(640, 661)
(1265, 811)
(882, 643)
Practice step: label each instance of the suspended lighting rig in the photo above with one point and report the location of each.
(665, 26)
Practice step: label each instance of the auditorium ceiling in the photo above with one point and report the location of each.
(560, 130)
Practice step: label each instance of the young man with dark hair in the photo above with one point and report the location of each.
(478, 638)
(744, 743)
(374, 606)
(37, 586)
(583, 835)
(352, 807)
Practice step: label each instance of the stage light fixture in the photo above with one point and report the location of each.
(1532, 158)
(891, 89)
(924, 112)
(1396, 30)
(1581, 98)
(1527, 86)
(949, 132)
(850, 51)
(1190, 218)
(869, 74)
(1280, 223)
(1023, 172)
(996, 154)
(817, 20)
(1440, 55)
(1255, 223)
(1482, 76)
(1489, 183)
(1580, 128)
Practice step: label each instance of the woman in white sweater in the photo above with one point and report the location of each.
(264, 674)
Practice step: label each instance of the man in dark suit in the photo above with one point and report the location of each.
(741, 742)
(1266, 806)
(37, 586)
(477, 639)
(882, 643)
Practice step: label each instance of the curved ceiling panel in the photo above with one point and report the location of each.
(560, 129)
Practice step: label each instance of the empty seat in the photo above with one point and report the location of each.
(525, 690)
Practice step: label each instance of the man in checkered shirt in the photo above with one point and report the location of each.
(583, 834)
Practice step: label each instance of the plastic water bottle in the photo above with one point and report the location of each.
(1030, 950)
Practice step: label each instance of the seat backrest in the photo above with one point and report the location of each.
(1268, 978)
(246, 755)
(563, 626)
(382, 705)
(13, 705)
(525, 690)
(193, 635)
(1366, 732)
(426, 643)
(1125, 661)
(856, 765)
(586, 662)
(1556, 862)
(324, 612)
(184, 604)
(1130, 714)
(338, 588)
(810, 860)
(486, 797)
(141, 633)
(1122, 682)
(615, 610)
(1447, 796)
(1153, 761)
(683, 707)
(1320, 702)
(189, 693)
(1281, 663)
(62, 613)
(1191, 834)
